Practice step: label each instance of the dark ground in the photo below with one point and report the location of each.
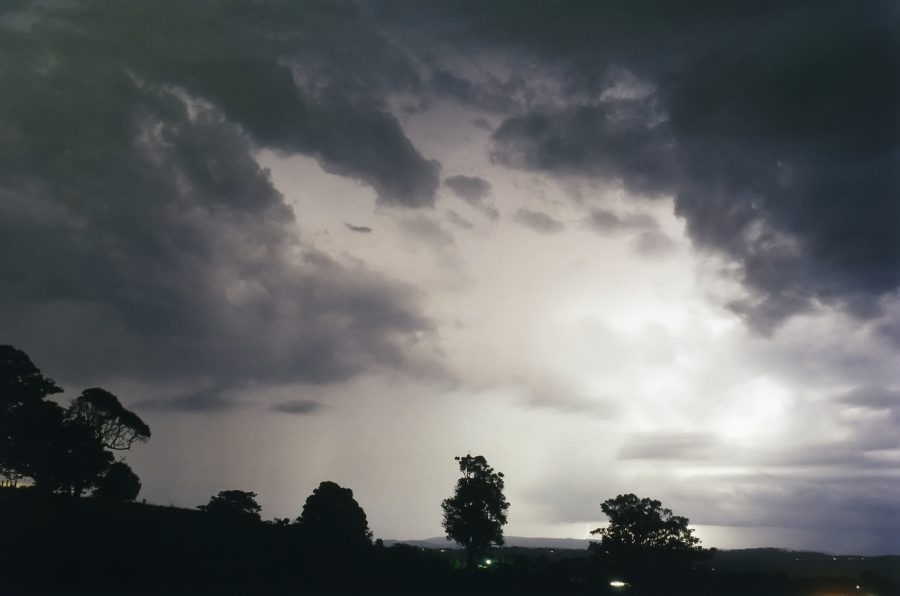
(57, 545)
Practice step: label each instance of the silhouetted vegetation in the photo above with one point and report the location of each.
(476, 513)
(61, 450)
(233, 504)
(333, 521)
(111, 424)
(59, 541)
(644, 543)
(118, 483)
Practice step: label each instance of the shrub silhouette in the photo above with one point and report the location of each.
(119, 483)
(233, 504)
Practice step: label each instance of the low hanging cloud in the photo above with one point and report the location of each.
(677, 446)
(538, 221)
(603, 220)
(300, 407)
(201, 401)
(473, 190)
(358, 229)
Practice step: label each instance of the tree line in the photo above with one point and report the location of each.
(63, 450)
(69, 452)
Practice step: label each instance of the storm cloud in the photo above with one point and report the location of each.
(139, 230)
(777, 133)
(692, 293)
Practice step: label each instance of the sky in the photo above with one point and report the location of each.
(613, 247)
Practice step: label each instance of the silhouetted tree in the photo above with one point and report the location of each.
(645, 523)
(475, 515)
(39, 444)
(60, 450)
(332, 519)
(80, 457)
(119, 483)
(114, 426)
(237, 504)
(644, 541)
(23, 409)
(57, 454)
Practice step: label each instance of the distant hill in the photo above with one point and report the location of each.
(516, 541)
(805, 564)
(798, 564)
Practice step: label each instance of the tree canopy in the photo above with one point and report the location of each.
(236, 504)
(645, 523)
(476, 513)
(119, 483)
(61, 450)
(331, 517)
(114, 426)
(23, 413)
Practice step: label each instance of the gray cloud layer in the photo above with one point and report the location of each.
(538, 221)
(138, 230)
(473, 190)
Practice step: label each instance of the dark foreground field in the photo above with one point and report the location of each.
(85, 546)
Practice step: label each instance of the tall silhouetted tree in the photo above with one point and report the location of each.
(236, 504)
(114, 426)
(475, 515)
(333, 520)
(119, 483)
(24, 413)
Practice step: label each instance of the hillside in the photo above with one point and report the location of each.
(89, 546)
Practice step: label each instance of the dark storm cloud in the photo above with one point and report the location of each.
(650, 241)
(301, 407)
(871, 397)
(538, 221)
(776, 130)
(619, 139)
(308, 78)
(200, 401)
(141, 239)
(473, 190)
(847, 508)
(469, 188)
(358, 229)
(602, 220)
(482, 124)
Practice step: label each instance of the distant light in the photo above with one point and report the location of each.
(487, 561)
(616, 583)
(857, 587)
